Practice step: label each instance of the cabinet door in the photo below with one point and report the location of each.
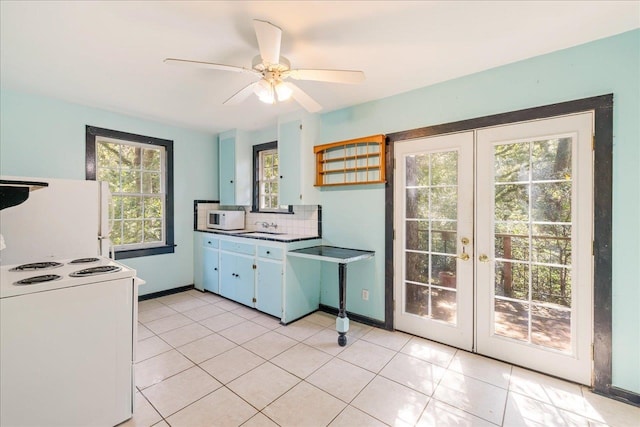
(227, 167)
(289, 139)
(269, 288)
(210, 272)
(227, 284)
(237, 278)
(245, 280)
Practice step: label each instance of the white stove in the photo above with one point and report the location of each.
(41, 276)
(67, 334)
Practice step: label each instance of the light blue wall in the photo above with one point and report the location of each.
(354, 216)
(44, 137)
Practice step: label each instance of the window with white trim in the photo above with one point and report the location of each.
(137, 170)
(266, 164)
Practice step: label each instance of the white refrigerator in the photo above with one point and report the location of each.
(66, 219)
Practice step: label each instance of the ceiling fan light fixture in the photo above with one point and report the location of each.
(283, 91)
(264, 90)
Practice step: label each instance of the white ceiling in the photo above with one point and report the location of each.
(109, 54)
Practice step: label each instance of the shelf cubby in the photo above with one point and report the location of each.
(355, 161)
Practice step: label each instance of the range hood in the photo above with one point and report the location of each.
(14, 192)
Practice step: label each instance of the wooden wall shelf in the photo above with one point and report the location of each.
(355, 161)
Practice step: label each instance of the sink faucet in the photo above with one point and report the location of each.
(267, 225)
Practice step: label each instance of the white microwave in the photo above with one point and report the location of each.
(225, 220)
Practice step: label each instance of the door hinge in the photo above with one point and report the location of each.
(254, 300)
(394, 163)
(300, 127)
(394, 234)
(255, 266)
(593, 142)
(593, 247)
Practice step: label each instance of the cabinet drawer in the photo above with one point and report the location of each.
(210, 242)
(269, 252)
(242, 248)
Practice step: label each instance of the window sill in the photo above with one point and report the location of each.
(288, 211)
(135, 253)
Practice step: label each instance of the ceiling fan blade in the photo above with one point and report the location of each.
(334, 76)
(241, 95)
(303, 99)
(269, 38)
(211, 65)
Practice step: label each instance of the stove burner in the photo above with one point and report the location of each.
(37, 266)
(92, 271)
(83, 260)
(38, 279)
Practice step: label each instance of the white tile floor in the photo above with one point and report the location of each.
(206, 361)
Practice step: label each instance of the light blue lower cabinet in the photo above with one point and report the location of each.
(237, 278)
(210, 267)
(269, 287)
(258, 275)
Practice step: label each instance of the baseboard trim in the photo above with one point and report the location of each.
(353, 316)
(164, 293)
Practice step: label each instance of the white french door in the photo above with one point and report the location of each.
(517, 200)
(434, 238)
(534, 245)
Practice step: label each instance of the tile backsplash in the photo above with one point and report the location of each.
(305, 220)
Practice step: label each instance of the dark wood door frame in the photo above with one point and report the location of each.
(602, 106)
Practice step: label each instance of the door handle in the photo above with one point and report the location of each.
(464, 256)
(483, 258)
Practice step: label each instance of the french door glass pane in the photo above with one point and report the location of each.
(532, 241)
(431, 196)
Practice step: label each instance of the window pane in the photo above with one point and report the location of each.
(116, 207)
(268, 161)
(131, 157)
(131, 181)
(131, 207)
(551, 202)
(153, 207)
(417, 201)
(512, 162)
(512, 280)
(153, 230)
(116, 233)
(551, 159)
(444, 168)
(417, 235)
(512, 202)
(108, 155)
(417, 170)
(444, 203)
(551, 284)
(417, 266)
(132, 232)
(150, 182)
(151, 159)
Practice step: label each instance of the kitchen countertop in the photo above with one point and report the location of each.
(260, 235)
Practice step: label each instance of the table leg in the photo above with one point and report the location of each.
(342, 322)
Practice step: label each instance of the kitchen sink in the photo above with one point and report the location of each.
(272, 233)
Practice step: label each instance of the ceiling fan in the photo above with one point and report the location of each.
(273, 71)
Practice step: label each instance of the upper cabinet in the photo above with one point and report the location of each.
(296, 138)
(234, 164)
